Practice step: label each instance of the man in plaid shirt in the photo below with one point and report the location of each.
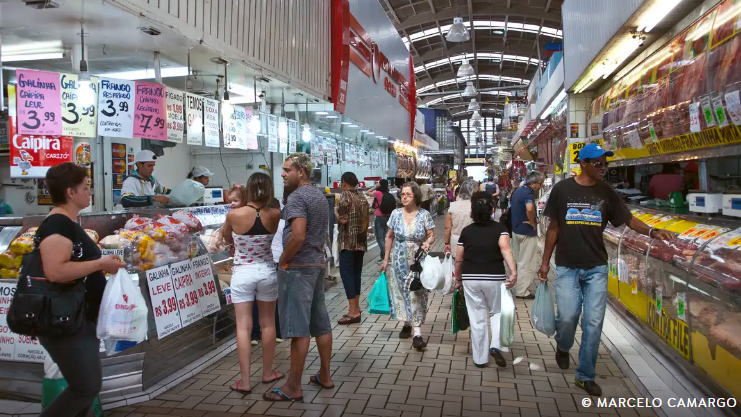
(352, 218)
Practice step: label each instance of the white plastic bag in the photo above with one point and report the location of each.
(336, 246)
(123, 311)
(51, 370)
(507, 322)
(448, 275)
(432, 275)
(186, 193)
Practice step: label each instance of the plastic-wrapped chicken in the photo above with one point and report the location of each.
(189, 219)
(23, 244)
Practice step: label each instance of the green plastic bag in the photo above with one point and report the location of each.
(378, 299)
(459, 317)
(50, 388)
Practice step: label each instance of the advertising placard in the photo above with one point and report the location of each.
(164, 302)
(175, 119)
(31, 156)
(7, 339)
(211, 122)
(283, 135)
(292, 135)
(208, 296)
(272, 133)
(150, 113)
(186, 292)
(194, 112)
(116, 108)
(251, 135)
(79, 102)
(39, 103)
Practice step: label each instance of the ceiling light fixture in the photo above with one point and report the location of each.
(352, 125)
(476, 116)
(346, 123)
(33, 57)
(465, 70)
(474, 106)
(146, 74)
(255, 124)
(322, 113)
(656, 14)
(458, 31)
(470, 90)
(306, 134)
(332, 117)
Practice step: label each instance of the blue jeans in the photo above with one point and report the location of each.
(380, 227)
(577, 288)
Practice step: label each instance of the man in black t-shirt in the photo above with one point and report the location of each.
(579, 209)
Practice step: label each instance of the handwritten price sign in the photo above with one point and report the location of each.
(194, 113)
(39, 103)
(79, 104)
(116, 108)
(175, 119)
(186, 292)
(208, 296)
(150, 114)
(164, 302)
(211, 122)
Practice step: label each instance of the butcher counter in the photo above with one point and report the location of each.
(685, 294)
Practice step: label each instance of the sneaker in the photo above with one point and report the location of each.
(278, 340)
(253, 342)
(498, 358)
(527, 297)
(405, 332)
(482, 365)
(562, 359)
(590, 387)
(419, 343)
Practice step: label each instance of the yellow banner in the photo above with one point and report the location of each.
(706, 139)
(674, 331)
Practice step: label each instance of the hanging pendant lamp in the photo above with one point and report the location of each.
(476, 117)
(470, 90)
(458, 31)
(474, 105)
(466, 70)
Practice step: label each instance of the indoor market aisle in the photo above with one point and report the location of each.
(376, 374)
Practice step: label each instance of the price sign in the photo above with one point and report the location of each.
(720, 112)
(292, 135)
(7, 339)
(695, 117)
(39, 103)
(635, 139)
(208, 296)
(211, 122)
(733, 106)
(186, 292)
(283, 135)
(150, 113)
(251, 135)
(574, 149)
(707, 111)
(240, 123)
(272, 133)
(79, 106)
(115, 252)
(681, 306)
(229, 124)
(194, 113)
(164, 302)
(175, 119)
(116, 108)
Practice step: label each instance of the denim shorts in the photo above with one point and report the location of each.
(301, 307)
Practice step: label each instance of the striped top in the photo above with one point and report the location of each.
(482, 258)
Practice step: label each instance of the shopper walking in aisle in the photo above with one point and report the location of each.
(251, 229)
(579, 209)
(427, 195)
(352, 218)
(410, 228)
(385, 204)
(303, 312)
(525, 233)
(67, 255)
(479, 268)
(450, 191)
(459, 215)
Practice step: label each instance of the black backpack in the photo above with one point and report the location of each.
(388, 204)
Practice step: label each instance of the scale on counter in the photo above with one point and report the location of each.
(707, 203)
(732, 205)
(213, 196)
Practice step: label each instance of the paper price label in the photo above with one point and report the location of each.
(681, 306)
(211, 122)
(694, 117)
(7, 338)
(115, 252)
(733, 106)
(272, 133)
(194, 113)
(635, 139)
(208, 296)
(659, 300)
(720, 112)
(283, 135)
(186, 292)
(39, 103)
(251, 135)
(707, 111)
(292, 135)
(164, 301)
(175, 112)
(652, 131)
(79, 105)
(116, 108)
(150, 113)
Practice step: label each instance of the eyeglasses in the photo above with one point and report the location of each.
(599, 164)
(407, 194)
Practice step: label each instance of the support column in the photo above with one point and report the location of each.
(578, 117)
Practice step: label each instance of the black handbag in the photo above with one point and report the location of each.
(41, 308)
(461, 311)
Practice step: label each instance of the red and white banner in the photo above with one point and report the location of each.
(32, 155)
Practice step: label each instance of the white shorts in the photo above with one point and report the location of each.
(254, 281)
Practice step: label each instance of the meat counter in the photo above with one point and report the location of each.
(687, 292)
(132, 369)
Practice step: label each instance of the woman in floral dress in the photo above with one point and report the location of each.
(408, 228)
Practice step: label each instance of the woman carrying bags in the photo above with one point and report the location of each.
(409, 229)
(482, 249)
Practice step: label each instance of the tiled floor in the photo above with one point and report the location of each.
(376, 374)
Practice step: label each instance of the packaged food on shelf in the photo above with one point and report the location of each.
(189, 219)
(23, 244)
(93, 235)
(8, 273)
(210, 239)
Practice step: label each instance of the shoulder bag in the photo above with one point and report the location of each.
(41, 308)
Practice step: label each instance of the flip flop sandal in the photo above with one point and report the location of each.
(314, 379)
(236, 388)
(347, 319)
(282, 395)
(277, 377)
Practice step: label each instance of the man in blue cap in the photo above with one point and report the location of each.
(579, 209)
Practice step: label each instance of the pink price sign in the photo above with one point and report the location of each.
(150, 112)
(39, 103)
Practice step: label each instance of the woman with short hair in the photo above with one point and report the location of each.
(459, 214)
(409, 229)
(68, 254)
(479, 268)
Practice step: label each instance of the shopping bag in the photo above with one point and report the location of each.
(186, 193)
(123, 311)
(507, 322)
(378, 299)
(336, 246)
(448, 275)
(460, 312)
(543, 317)
(432, 276)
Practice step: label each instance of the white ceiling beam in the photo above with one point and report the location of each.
(392, 11)
(432, 6)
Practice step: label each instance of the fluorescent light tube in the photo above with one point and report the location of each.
(33, 57)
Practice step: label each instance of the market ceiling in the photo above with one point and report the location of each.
(506, 41)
